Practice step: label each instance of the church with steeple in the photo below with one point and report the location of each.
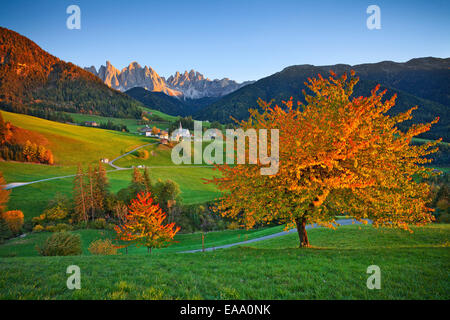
(181, 133)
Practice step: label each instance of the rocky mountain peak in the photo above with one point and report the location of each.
(190, 84)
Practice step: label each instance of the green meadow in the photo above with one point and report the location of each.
(413, 266)
(32, 199)
(132, 124)
(72, 145)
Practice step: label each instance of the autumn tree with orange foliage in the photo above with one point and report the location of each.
(143, 225)
(337, 155)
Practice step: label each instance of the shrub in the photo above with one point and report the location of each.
(50, 228)
(62, 227)
(102, 247)
(61, 244)
(99, 223)
(5, 232)
(444, 218)
(110, 226)
(27, 226)
(233, 225)
(58, 212)
(142, 154)
(38, 228)
(14, 220)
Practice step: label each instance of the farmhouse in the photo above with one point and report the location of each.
(91, 124)
(163, 135)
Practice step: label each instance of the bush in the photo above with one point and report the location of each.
(102, 247)
(142, 154)
(50, 228)
(233, 225)
(61, 244)
(62, 227)
(444, 218)
(99, 223)
(5, 232)
(14, 220)
(38, 228)
(27, 226)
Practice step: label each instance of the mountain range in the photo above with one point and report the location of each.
(424, 82)
(35, 82)
(189, 85)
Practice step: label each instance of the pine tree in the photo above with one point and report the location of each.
(147, 180)
(100, 188)
(28, 151)
(4, 194)
(79, 195)
(5, 130)
(137, 176)
(90, 197)
(41, 154)
(137, 184)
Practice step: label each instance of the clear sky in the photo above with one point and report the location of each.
(239, 39)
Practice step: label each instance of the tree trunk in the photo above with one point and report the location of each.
(302, 234)
(203, 242)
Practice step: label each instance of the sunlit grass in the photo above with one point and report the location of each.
(413, 266)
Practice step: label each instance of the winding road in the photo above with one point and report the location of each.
(13, 185)
(111, 163)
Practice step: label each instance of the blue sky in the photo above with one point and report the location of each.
(239, 39)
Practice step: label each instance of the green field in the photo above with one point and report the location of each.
(25, 247)
(132, 124)
(72, 144)
(75, 144)
(32, 199)
(413, 266)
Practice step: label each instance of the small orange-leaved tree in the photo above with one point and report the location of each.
(143, 224)
(337, 154)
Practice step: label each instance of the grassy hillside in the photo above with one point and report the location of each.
(74, 144)
(158, 155)
(413, 266)
(132, 124)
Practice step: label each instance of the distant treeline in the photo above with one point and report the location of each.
(109, 126)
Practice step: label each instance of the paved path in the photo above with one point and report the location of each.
(341, 222)
(13, 185)
(111, 163)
